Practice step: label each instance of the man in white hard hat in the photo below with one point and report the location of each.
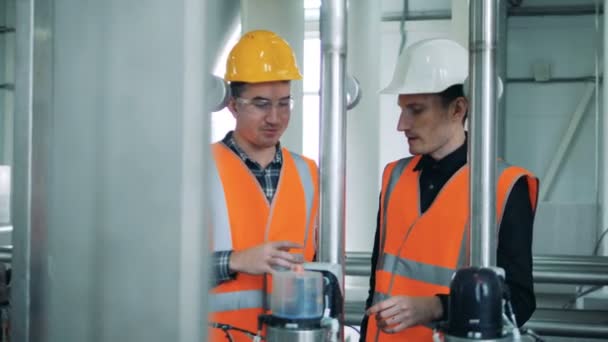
(423, 212)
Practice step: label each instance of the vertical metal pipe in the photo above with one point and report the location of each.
(501, 71)
(332, 147)
(482, 147)
(363, 59)
(333, 131)
(603, 149)
(34, 102)
(194, 258)
(7, 76)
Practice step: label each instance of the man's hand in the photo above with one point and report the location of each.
(260, 259)
(400, 312)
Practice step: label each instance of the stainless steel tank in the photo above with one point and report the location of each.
(275, 334)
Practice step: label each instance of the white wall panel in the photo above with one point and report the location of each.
(565, 228)
(567, 43)
(538, 115)
(362, 136)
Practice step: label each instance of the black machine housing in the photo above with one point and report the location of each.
(476, 304)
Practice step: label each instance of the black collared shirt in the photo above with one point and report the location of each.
(435, 173)
(514, 250)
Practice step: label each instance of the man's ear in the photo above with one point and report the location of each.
(232, 107)
(460, 107)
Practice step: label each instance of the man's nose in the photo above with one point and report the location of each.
(404, 123)
(273, 115)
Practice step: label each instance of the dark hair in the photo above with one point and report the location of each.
(450, 94)
(237, 88)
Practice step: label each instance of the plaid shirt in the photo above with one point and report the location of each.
(268, 178)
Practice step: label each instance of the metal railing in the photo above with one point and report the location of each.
(576, 270)
(6, 253)
(568, 329)
(522, 11)
(6, 29)
(545, 322)
(555, 269)
(548, 269)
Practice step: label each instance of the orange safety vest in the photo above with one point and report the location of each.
(243, 218)
(419, 252)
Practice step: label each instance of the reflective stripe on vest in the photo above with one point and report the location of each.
(432, 274)
(417, 270)
(228, 301)
(395, 175)
(222, 235)
(309, 189)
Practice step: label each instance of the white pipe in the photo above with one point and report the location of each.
(332, 148)
(33, 103)
(363, 59)
(603, 152)
(194, 257)
(333, 131)
(6, 154)
(501, 71)
(482, 146)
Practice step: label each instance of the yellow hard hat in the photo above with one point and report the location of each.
(261, 56)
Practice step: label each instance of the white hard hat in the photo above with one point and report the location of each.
(429, 66)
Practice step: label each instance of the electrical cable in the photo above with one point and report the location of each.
(599, 241)
(528, 332)
(228, 336)
(511, 314)
(581, 294)
(354, 328)
(514, 330)
(227, 327)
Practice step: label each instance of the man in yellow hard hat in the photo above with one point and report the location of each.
(423, 217)
(265, 197)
